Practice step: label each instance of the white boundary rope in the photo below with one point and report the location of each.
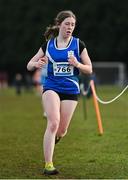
(110, 101)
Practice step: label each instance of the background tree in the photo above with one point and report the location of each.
(102, 24)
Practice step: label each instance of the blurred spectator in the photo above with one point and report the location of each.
(43, 76)
(3, 79)
(36, 81)
(18, 83)
(85, 84)
(28, 82)
(42, 81)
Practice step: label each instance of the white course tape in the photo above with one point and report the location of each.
(110, 101)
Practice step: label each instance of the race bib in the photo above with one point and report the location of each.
(62, 69)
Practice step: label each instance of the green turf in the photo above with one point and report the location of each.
(81, 154)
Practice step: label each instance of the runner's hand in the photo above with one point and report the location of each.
(41, 62)
(73, 61)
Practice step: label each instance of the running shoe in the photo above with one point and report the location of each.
(57, 139)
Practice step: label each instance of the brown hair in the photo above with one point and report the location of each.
(53, 30)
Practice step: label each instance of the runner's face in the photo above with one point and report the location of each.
(67, 27)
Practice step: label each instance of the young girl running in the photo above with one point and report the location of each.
(64, 55)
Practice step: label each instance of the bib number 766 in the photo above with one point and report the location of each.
(63, 69)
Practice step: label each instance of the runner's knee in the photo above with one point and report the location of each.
(53, 126)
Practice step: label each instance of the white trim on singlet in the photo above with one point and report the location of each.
(78, 45)
(64, 47)
(76, 83)
(49, 56)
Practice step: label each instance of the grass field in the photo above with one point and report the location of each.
(82, 154)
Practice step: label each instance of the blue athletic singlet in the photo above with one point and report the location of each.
(61, 76)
